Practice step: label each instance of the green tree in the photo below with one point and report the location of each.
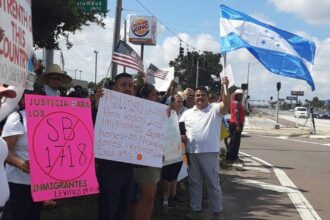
(53, 19)
(316, 102)
(208, 72)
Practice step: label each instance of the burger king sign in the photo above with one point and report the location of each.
(143, 30)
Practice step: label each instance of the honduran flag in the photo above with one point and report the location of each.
(281, 52)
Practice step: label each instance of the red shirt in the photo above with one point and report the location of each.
(236, 112)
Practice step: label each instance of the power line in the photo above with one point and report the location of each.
(161, 22)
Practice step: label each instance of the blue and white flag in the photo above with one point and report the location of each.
(281, 52)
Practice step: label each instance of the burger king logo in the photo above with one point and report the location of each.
(140, 27)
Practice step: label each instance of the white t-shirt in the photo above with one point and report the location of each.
(203, 128)
(4, 188)
(13, 127)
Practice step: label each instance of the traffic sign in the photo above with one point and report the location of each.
(93, 5)
(291, 98)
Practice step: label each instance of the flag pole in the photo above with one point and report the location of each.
(105, 79)
(224, 68)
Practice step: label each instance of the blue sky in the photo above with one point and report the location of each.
(197, 23)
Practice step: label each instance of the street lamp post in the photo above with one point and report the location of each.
(75, 73)
(96, 52)
(80, 74)
(197, 72)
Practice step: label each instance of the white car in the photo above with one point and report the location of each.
(300, 112)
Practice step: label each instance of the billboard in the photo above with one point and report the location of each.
(297, 93)
(143, 30)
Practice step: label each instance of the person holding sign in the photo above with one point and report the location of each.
(4, 195)
(170, 172)
(115, 178)
(203, 123)
(53, 80)
(18, 168)
(146, 177)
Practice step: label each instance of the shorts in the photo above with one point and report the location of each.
(171, 171)
(146, 174)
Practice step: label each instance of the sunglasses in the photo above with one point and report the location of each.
(56, 78)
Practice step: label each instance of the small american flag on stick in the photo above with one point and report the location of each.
(124, 55)
(154, 71)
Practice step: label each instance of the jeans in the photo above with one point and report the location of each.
(204, 166)
(23, 206)
(235, 142)
(115, 181)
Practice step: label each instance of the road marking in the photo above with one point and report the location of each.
(283, 137)
(294, 140)
(326, 144)
(304, 208)
(263, 185)
(250, 164)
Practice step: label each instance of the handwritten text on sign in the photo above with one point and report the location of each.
(60, 135)
(16, 44)
(172, 149)
(130, 129)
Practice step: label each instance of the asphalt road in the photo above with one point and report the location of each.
(305, 161)
(321, 125)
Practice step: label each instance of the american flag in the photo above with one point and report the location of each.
(124, 55)
(154, 71)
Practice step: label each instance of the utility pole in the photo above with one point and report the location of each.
(48, 58)
(247, 80)
(125, 30)
(96, 52)
(278, 87)
(116, 35)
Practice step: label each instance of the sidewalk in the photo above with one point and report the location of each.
(266, 126)
(252, 191)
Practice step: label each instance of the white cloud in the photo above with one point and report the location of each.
(262, 83)
(313, 12)
(82, 57)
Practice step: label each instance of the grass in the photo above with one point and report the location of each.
(85, 208)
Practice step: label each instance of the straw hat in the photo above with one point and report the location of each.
(9, 93)
(55, 70)
(182, 94)
(237, 91)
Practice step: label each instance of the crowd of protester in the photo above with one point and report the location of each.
(122, 184)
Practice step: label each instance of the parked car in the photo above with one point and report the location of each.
(323, 115)
(300, 112)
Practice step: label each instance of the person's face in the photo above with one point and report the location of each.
(178, 103)
(153, 96)
(201, 99)
(190, 99)
(239, 97)
(54, 81)
(124, 85)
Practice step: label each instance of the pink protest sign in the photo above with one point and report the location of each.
(60, 137)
